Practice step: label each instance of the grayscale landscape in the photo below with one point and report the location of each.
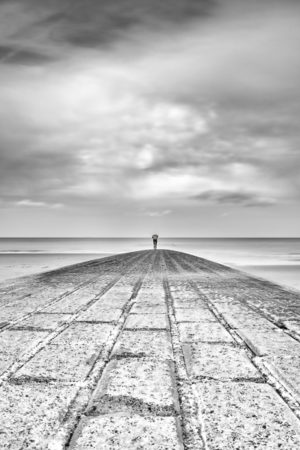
(149, 225)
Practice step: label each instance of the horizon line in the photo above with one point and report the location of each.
(149, 237)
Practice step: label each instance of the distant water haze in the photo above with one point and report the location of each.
(275, 259)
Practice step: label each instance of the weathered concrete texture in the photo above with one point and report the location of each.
(13, 343)
(140, 308)
(116, 298)
(121, 431)
(44, 321)
(293, 325)
(31, 412)
(246, 416)
(71, 303)
(203, 331)
(219, 362)
(100, 313)
(142, 384)
(150, 321)
(70, 355)
(194, 315)
(155, 344)
(154, 350)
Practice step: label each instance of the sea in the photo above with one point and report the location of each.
(276, 259)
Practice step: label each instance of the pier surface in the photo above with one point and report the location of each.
(152, 350)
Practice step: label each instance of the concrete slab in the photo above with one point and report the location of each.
(154, 344)
(138, 385)
(116, 297)
(127, 432)
(286, 368)
(147, 321)
(245, 416)
(218, 361)
(189, 303)
(88, 333)
(62, 363)
(45, 321)
(245, 318)
(194, 315)
(203, 331)
(143, 308)
(13, 343)
(70, 356)
(293, 325)
(151, 296)
(32, 412)
(12, 313)
(100, 313)
(71, 303)
(269, 341)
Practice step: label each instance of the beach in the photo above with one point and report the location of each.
(13, 265)
(273, 259)
(149, 349)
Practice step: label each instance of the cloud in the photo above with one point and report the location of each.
(18, 55)
(149, 102)
(235, 198)
(158, 213)
(31, 203)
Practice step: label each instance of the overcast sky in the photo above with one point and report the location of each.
(128, 117)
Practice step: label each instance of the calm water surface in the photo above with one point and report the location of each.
(275, 259)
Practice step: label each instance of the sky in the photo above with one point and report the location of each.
(129, 117)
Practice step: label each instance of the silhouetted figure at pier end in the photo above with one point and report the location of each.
(155, 239)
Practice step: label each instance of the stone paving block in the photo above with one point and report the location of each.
(189, 303)
(89, 333)
(63, 363)
(150, 321)
(194, 315)
(286, 368)
(154, 344)
(183, 290)
(116, 298)
(203, 331)
(143, 308)
(243, 416)
(70, 356)
(269, 342)
(218, 361)
(100, 313)
(151, 296)
(138, 385)
(13, 343)
(45, 321)
(31, 412)
(293, 325)
(12, 313)
(71, 303)
(127, 432)
(247, 319)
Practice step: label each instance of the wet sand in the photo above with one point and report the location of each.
(149, 350)
(22, 264)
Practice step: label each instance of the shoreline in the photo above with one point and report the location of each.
(17, 265)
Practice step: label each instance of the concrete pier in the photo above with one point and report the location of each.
(155, 350)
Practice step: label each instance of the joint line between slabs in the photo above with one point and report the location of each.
(271, 379)
(191, 419)
(27, 356)
(68, 427)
